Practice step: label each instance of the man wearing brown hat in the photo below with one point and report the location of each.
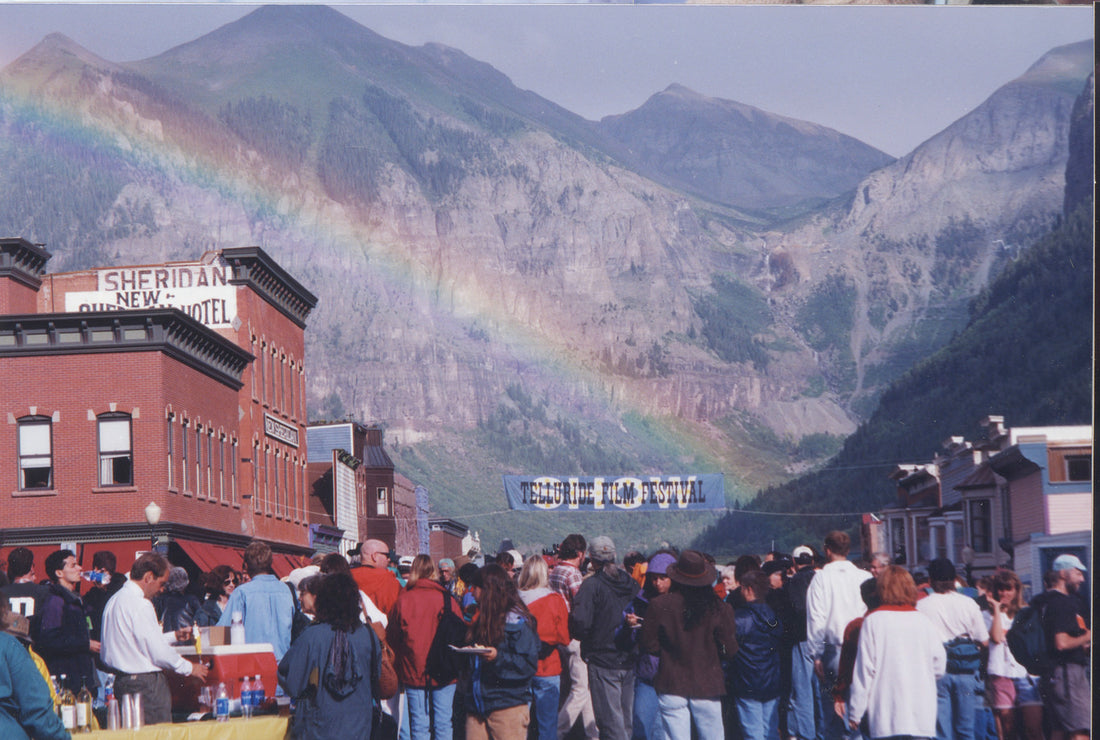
(597, 612)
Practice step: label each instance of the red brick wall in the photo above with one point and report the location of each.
(273, 384)
(73, 390)
(16, 297)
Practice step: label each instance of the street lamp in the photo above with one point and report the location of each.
(152, 517)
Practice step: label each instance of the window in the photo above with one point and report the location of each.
(116, 458)
(221, 467)
(383, 502)
(897, 539)
(256, 476)
(280, 389)
(288, 504)
(198, 459)
(297, 504)
(1070, 464)
(35, 453)
(275, 483)
(233, 471)
(267, 480)
(209, 439)
(183, 456)
(171, 451)
(265, 378)
(252, 375)
(292, 379)
(981, 526)
(261, 363)
(1078, 467)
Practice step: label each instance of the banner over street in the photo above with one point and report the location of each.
(603, 493)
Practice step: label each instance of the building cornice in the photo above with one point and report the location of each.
(166, 330)
(254, 268)
(23, 261)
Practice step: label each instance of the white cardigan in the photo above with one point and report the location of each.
(894, 682)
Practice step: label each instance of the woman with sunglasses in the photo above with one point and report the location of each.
(219, 583)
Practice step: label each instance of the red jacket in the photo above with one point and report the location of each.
(379, 584)
(412, 627)
(552, 614)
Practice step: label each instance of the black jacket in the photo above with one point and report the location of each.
(63, 639)
(597, 611)
(754, 670)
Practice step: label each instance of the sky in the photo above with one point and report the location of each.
(891, 76)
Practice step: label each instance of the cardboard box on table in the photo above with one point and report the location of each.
(228, 663)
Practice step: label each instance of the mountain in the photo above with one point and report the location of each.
(501, 284)
(985, 163)
(1025, 353)
(925, 233)
(740, 155)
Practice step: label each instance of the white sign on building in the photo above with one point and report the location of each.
(343, 492)
(202, 291)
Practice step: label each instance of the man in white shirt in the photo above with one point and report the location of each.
(960, 625)
(832, 601)
(134, 646)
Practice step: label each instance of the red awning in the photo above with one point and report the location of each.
(208, 556)
(283, 564)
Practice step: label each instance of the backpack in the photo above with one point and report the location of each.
(963, 655)
(1027, 640)
(444, 664)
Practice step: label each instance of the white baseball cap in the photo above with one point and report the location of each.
(1065, 562)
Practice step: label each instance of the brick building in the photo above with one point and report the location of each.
(180, 384)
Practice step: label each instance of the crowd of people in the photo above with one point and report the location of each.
(573, 643)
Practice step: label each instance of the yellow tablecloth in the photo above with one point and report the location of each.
(257, 728)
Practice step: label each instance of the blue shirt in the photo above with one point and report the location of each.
(268, 610)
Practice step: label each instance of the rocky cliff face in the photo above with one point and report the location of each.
(985, 165)
(925, 233)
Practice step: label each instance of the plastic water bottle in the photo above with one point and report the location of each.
(221, 703)
(258, 697)
(114, 715)
(246, 697)
(56, 695)
(236, 629)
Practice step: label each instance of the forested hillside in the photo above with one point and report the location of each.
(1026, 354)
